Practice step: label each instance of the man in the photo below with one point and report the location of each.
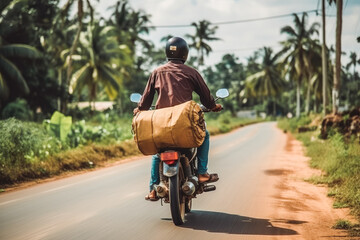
(174, 83)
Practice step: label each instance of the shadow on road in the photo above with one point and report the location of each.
(232, 224)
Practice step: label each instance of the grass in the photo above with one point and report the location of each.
(84, 157)
(354, 229)
(225, 122)
(342, 224)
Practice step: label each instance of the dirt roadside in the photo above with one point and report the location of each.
(307, 205)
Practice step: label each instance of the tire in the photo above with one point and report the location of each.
(177, 198)
(188, 205)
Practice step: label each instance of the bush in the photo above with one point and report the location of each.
(106, 133)
(22, 144)
(18, 109)
(294, 123)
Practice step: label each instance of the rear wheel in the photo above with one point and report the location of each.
(177, 198)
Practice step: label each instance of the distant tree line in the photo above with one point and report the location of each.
(51, 57)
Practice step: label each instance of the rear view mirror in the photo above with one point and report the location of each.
(135, 97)
(222, 93)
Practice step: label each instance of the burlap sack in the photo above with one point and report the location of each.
(181, 126)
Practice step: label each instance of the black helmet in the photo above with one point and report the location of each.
(177, 49)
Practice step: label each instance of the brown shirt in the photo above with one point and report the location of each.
(175, 82)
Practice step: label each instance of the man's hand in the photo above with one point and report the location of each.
(136, 110)
(217, 108)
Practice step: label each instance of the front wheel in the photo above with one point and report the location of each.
(177, 198)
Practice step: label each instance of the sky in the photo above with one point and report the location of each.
(242, 39)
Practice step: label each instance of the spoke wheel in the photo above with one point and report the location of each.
(177, 198)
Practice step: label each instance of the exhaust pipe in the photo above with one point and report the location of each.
(209, 188)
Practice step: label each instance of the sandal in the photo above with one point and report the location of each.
(151, 196)
(208, 178)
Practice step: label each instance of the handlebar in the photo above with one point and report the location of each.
(205, 109)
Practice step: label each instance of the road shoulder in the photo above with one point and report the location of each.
(300, 205)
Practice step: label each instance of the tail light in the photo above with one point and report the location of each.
(169, 157)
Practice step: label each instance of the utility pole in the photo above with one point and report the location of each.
(324, 61)
(337, 79)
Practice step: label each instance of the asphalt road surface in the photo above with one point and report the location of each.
(109, 203)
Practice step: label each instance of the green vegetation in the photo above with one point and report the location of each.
(338, 158)
(354, 229)
(224, 122)
(31, 151)
(342, 224)
(28, 150)
(53, 58)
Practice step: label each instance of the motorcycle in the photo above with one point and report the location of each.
(179, 183)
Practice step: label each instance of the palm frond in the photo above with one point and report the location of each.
(80, 78)
(111, 81)
(19, 51)
(288, 30)
(12, 74)
(4, 90)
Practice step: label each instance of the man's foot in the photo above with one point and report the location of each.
(208, 178)
(151, 196)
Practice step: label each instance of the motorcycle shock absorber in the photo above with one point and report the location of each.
(186, 166)
(190, 186)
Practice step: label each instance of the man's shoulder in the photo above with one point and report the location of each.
(171, 67)
(161, 67)
(189, 67)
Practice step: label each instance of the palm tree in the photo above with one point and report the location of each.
(295, 47)
(131, 24)
(317, 82)
(203, 33)
(166, 38)
(313, 54)
(353, 62)
(11, 79)
(352, 84)
(10, 74)
(268, 81)
(102, 61)
(80, 16)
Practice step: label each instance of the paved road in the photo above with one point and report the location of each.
(109, 203)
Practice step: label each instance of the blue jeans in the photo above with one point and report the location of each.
(203, 158)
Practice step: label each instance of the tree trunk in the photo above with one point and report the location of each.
(308, 96)
(274, 107)
(335, 93)
(337, 79)
(298, 99)
(324, 61)
(59, 100)
(72, 50)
